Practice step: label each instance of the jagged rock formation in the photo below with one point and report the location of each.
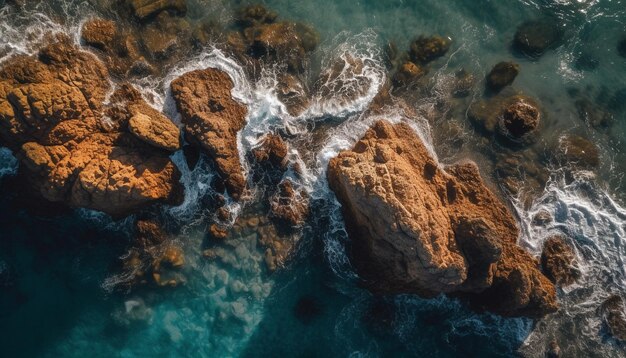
(558, 261)
(53, 117)
(211, 119)
(417, 227)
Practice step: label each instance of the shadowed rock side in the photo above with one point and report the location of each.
(211, 119)
(417, 228)
(52, 117)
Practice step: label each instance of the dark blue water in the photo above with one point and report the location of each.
(57, 272)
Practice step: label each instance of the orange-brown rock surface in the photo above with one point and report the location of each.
(417, 227)
(52, 117)
(212, 118)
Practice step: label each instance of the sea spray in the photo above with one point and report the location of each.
(593, 223)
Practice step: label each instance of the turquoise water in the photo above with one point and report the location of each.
(57, 273)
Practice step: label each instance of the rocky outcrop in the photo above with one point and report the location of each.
(289, 205)
(577, 151)
(119, 50)
(273, 151)
(344, 81)
(262, 37)
(502, 75)
(557, 261)
(419, 228)
(153, 259)
(533, 38)
(407, 73)
(293, 94)
(614, 316)
(515, 118)
(211, 120)
(145, 9)
(52, 116)
(426, 49)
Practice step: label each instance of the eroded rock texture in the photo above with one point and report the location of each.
(211, 119)
(53, 117)
(417, 227)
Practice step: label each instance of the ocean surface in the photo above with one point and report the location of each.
(57, 274)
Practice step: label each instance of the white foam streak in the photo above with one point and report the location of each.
(595, 225)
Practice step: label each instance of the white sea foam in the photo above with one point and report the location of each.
(595, 225)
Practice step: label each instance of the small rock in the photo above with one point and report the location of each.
(615, 317)
(502, 75)
(293, 94)
(426, 49)
(593, 114)
(578, 151)
(273, 151)
(542, 218)
(254, 15)
(554, 351)
(533, 38)
(519, 118)
(289, 204)
(557, 261)
(99, 33)
(407, 73)
(218, 231)
(145, 9)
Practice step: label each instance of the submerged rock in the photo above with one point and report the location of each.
(516, 118)
(51, 110)
(533, 38)
(292, 93)
(290, 205)
(519, 118)
(417, 228)
(408, 73)
(119, 50)
(273, 151)
(153, 259)
(578, 151)
(615, 317)
(592, 114)
(211, 120)
(344, 81)
(254, 15)
(557, 261)
(426, 49)
(261, 40)
(621, 47)
(145, 9)
(502, 75)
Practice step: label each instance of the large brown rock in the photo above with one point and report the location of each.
(417, 228)
(51, 116)
(211, 119)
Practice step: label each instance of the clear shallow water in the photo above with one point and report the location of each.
(56, 272)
